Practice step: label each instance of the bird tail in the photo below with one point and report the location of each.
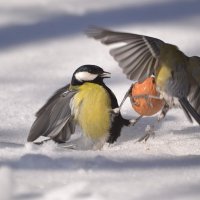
(189, 109)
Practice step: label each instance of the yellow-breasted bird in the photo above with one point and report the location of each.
(86, 102)
(177, 76)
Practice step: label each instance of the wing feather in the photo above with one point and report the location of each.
(55, 119)
(132, 52)
(139, 67)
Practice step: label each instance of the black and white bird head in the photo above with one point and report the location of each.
(89, 73)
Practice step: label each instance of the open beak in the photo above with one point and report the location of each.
(105, 75)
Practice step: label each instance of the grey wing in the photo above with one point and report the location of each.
(54, 119)
(137, 56)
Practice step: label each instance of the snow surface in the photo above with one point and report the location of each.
(42, 43)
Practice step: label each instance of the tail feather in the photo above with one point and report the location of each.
(187, 114)
(189, 109)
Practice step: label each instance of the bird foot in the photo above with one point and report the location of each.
(149, 132)
(115, 111)
(148, 98)
(134, 121)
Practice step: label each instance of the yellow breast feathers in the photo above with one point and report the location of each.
(93, 107)
(169, 57)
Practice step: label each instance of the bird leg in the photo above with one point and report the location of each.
(128, 94)
(163, 113)
(150, 129)
(115, 111)
(147, 97)
(125, 97)
(134, 121)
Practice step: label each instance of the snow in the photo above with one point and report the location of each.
(6, 184)
(42, 43)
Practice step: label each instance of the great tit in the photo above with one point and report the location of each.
(86, 102)
(140, 56)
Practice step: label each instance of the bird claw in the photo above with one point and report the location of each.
(134, 121)
(149, 132)
(115, 111)
(149, 102)
(146, 97)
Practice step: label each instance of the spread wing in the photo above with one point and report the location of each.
(54, 119)
(137, 56)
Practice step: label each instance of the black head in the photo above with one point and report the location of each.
(89, 73)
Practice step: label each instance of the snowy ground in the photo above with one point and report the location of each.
(42, 43)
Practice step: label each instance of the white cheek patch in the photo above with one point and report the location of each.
(85, 76)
